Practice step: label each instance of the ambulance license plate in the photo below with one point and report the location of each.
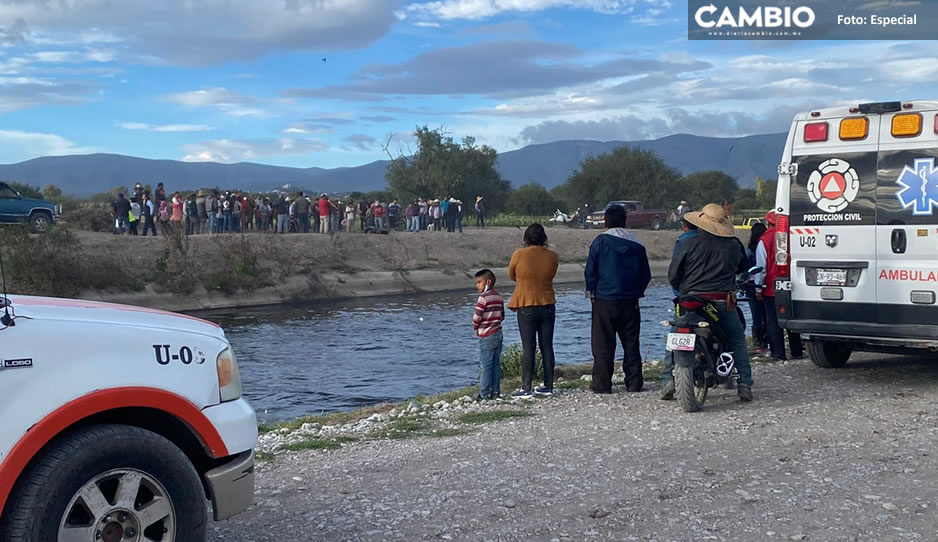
(831, 277)
(681, 341)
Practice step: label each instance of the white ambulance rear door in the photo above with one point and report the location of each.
(907, 218)
(833, 218)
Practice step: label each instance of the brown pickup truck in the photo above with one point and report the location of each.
(637, 216)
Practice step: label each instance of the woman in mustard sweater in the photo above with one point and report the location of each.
(533, 269)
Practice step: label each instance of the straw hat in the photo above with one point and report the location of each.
(478, 199)
(712, 219)
(453, 200)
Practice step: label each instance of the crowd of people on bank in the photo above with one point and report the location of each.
(707, 259)
(217, 212)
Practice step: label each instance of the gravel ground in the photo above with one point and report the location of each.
(838, 455)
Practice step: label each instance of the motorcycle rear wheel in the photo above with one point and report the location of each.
(688, 394)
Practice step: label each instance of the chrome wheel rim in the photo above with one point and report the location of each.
(121, 505)
(41, 223)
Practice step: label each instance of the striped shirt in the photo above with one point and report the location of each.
(490, 311)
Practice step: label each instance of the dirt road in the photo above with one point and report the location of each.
(821, 455)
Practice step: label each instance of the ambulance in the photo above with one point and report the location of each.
(118, 424)
(857, 232)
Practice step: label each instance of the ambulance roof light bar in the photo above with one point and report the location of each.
(878, 108)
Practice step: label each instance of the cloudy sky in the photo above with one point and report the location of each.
(329, 82)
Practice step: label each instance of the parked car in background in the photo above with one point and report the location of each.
(15, 209)
(747, 223)
(636, 215)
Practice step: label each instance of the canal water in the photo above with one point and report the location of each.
(337, 355)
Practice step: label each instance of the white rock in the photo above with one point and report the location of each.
(889, 506)
(465, 399)
(587, 378)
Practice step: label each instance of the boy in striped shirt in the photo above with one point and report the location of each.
(487, 322)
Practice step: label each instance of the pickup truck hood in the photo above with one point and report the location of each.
(76, 310)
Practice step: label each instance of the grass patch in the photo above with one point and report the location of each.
(315, 443)
(402, 428)
(475, 418)
(265, 456)
(571, 384)
(652, 372)
(332, 418)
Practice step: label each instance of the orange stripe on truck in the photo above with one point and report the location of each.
(96, 402)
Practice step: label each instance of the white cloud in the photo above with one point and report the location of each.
(228, 101)
(15, 142)
(427, 24)
(481, 9)
(165, 127)
(240, 150)
(201, 32)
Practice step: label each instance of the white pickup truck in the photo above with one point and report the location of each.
(117, 423)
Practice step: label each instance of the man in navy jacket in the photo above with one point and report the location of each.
(617, 274)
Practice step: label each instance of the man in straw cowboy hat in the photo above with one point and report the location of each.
(706, 266)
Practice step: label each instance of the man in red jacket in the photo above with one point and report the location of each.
(765, 290)
(325, 211)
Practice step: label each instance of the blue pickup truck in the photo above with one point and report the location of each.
(15, 209)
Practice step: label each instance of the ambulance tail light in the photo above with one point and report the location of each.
(907, 125)
(229, 378)
(936, 124)
(782, 265)
(854, 128)
(815, 132)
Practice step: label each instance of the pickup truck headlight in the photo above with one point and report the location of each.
(229, 378)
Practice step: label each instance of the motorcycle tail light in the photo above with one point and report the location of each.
(683, 330)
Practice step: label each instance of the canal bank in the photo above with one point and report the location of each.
(330, 285)
(304, 268)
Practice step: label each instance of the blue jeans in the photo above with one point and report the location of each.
(211, 222)
(757, 309)
(304, 222)
(490, 361)
(736, 336)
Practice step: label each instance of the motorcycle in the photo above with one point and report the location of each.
(700, 349)
(563, 218)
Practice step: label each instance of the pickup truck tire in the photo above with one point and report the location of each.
(104, 482)
(655, 224)
(828, 355)
(40, 221)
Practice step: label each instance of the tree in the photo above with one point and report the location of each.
(532, 199)
(52, 193)
(443, 168)
(706, 187)
(625, 173)
(765, 192)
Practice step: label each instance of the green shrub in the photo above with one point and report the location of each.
(511, 362)
(54, 264)
(89, 217)
(518, 221)
(241, 267)
(176, 269)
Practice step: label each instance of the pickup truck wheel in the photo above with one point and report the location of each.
(40, 222)
(107, 483)
(828, 355)
(656, 223)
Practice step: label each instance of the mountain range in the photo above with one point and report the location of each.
(549, 164)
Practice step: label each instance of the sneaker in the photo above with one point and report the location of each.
(667, 391)
(745, 393)
(522, 393)
(543, 390)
